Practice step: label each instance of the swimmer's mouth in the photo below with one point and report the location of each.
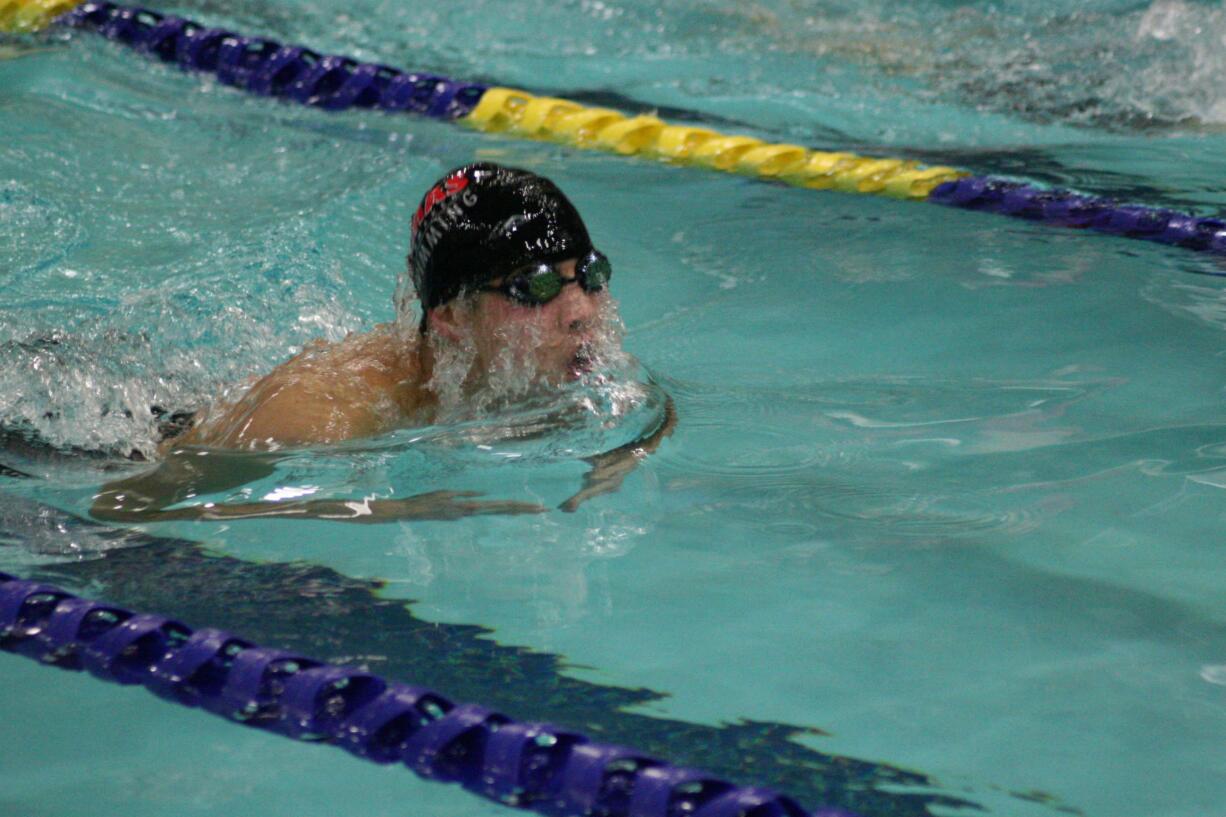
(582, 363)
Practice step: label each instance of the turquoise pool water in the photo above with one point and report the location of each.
(938, 527)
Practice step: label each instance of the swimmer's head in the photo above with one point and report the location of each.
(509, 282)
(480, 223)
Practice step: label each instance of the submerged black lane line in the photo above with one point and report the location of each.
(319, 612)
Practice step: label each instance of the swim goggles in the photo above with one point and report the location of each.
(538, 284)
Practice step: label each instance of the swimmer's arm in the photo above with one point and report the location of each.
(183, 474)
(435, 505)
(610, 469)
(147, 497)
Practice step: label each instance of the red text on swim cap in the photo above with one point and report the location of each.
(447, 187)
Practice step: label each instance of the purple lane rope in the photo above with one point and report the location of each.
(266, 67)
(1063, 208)
(551, 770)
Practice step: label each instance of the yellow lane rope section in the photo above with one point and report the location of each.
(20, 16)
(540, 117)
(508, 110)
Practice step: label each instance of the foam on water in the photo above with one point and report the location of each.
(1120, 68)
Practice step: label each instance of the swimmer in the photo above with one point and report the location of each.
(505, 271)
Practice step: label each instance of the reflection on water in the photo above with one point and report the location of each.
(901, 458)
(1203, 303)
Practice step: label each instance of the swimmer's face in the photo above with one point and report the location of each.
(548, 340)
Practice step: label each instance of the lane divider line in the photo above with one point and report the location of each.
(552, 770)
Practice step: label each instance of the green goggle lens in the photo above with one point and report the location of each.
(595, 272)
(544, 286)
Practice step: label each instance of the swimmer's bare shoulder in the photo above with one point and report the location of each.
(360, 386)
(357, 387)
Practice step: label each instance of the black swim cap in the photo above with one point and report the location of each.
(482, 221)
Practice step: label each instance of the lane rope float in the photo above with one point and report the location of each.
(264, 66)
(22, 16)
(555, 771)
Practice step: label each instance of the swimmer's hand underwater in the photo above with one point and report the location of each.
(185, 474)
(610, 469)
(114, 506)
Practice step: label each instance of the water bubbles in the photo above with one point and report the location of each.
(1164, 20)
(1161, 68)
(527, 363)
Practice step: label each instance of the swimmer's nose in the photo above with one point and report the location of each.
(576, 309)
